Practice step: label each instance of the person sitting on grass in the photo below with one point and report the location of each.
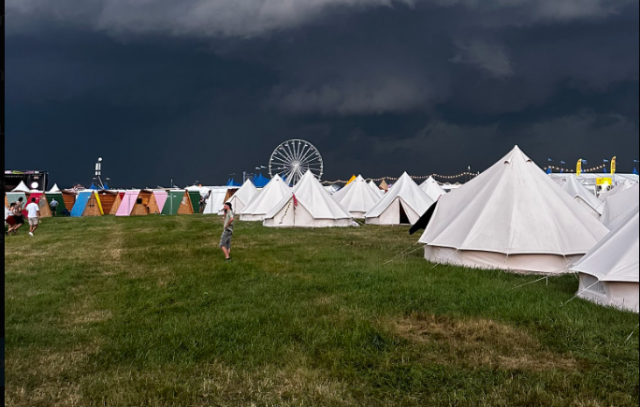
(227, 234)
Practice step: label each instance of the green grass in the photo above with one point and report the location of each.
(144, 312)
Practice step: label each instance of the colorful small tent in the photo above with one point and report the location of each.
(14, 196)
(178, 203)
(41, 200)
(116, 203)
(232, 183)
(59, 199)
(353, 178)
(6, 201)
(135, 203)
(69, 198)
(157, 201)
(194, 196)
(384, 186)
(87, 204)
(107, 199)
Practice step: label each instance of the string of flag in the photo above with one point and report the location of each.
(415, 178)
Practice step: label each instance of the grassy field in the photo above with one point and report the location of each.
(144, 312)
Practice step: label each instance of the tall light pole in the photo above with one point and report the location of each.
(99, 172)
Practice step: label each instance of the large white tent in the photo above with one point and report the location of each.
(309, 205)
(375, 189)
(243, 197)
(357, 197)
(270, 196)
(618, 188)
(581, 195)
(432, 188)
(512, 217)
(618, 205)
(609, 272)
(405, 203)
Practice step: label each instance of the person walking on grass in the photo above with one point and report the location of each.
(54, 207)
(227, 234)
(33, 213)
(18, 216)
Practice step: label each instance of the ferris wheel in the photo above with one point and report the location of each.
(293, 158)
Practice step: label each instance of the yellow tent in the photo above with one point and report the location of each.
(353, 178)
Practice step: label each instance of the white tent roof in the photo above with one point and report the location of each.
(215, 198)
(246, 193)
(357, 197)
(616, 206)
(270, 196)
(376, 189)
(410, 193)
(615, 258)
(618, 188)
(315, 199)
(22, 187)
(54, 189)
(576, 190)
(432, 188)
(513, 208)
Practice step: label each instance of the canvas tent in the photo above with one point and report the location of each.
(512, 217)
(432, 189)
(41, 200)
(135, 203)
(357, 197)
(215, 198)
(618, 205)
(69, 197)
(107, 199)
(375, 189)
(60, 208)
(608, 273)
(87, 204)
(309, 205)
(581, 195)
(384, 186)
(178, 203)
(243, 196)
(275, 191)
(405, 203)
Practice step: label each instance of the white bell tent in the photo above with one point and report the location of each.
(243, 197)
(309, 205)
(432, 188)
(55, 189)
(357, 197)
(405, 203)
(617, 206)
(581, 195)
(270, 196)
(22, 187)
(375, 189)
(609, 271)
(512, 217)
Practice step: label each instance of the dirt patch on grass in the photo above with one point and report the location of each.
(479, 343)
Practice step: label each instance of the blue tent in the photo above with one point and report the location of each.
(106, 186)
(635, 170)
(232, 183)
(93, 186)
(548, 170)
(260, 181)
(81, 203)
(604, 169)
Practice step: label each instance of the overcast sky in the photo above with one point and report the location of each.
(198, 89)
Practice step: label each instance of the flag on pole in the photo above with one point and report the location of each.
(549, 170)
(578, 167)
(613, 165)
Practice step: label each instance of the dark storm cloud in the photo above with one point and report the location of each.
(164, 91)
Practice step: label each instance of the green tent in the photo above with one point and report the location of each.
(195, 201)
(173, 203)
(59, 198)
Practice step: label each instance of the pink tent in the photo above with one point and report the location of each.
(127, 204)
(161, 198)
